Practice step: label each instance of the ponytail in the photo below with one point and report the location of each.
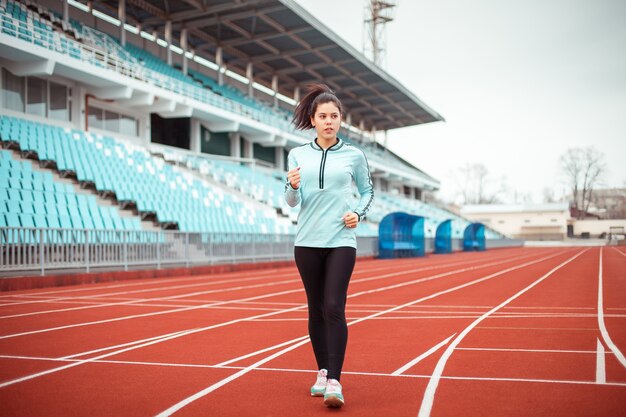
(306, 108)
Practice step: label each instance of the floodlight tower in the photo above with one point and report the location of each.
(377, 14)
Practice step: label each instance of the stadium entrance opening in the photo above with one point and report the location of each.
(172, 132)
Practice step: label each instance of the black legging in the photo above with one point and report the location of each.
(325, 273)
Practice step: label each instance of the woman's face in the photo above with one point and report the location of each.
(327, 120)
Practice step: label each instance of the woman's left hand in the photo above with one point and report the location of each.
(350, 219)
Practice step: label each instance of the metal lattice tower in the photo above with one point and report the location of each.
(377, 14)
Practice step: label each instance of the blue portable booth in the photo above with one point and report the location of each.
(474, 237)
(401, 235)
(443, 237)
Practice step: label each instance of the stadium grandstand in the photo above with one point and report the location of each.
(147, 133)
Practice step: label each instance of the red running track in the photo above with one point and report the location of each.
(509, 332)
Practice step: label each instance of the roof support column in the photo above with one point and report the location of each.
(349, 123)
(121, 15)
(362, 129)
(183, 45)
(66, 11)
(219, 58)
(235, 144)
(280, 157)
(248, 149)
(249, 72)
(296, 94)
(195, 136)
(168, 39)
(275, 89)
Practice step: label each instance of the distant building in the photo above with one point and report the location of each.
(523, 221)
(609, 203)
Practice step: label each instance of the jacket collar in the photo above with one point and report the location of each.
(335, 147)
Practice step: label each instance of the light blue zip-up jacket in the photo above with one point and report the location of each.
(325, 192)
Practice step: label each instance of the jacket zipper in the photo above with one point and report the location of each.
(322, 165)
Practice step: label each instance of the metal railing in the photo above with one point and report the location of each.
(43, 250)
(102, 54)
(55, 41)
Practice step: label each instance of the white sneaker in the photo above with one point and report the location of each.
(333, 396)
(319, 388)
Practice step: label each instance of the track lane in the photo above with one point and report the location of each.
(429, 395)
(209, 390)
(572, 287)
(375, 343)
(614, 297)
(225, 300)
(301, 314)
(34, 298)
(401, 289)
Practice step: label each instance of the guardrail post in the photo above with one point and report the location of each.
(125, 235)
(210, 242)
(41, 250)
(87, 249)
(188, 261)
(232, 248)
(253, 248)
(159, 234)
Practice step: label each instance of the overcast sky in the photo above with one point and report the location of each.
(518, 83)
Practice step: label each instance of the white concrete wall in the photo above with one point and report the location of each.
(596, 227)
(525, 224)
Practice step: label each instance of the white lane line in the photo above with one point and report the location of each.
(431, 388)
(134, 316)
(605, 334)
(445, 316)
(225, 381)
(39, 299)
(620, 252)
(191, 331)
(375, 277)
(412, 303)
(499, 260)
(143, 300)
(308, 371)
(244, 371)
(133, 343)
(152, 281)
(80, 362)
(424, 355)
(478, 349)
(372, 316)
(258, 352)
(227, 278)
(173, 297)
(117, 352)
(573, 329)
(600, 368)
(546, 308)
(241, 279)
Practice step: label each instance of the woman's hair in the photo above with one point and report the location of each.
(316, 94)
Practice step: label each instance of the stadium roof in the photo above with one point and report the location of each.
(280, 38)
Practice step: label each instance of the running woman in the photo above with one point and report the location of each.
(320, 178)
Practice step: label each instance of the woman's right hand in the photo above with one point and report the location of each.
(293, 177)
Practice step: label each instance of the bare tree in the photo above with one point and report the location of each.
(477, 187)
(548, 195)
(583, 168)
